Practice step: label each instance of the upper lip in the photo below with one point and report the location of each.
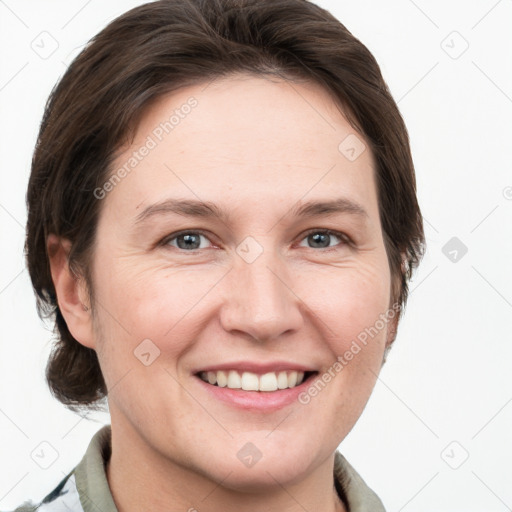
(256, 367)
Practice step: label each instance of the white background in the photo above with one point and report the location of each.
(448, 378)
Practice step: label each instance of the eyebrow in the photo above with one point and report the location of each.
(207, 209)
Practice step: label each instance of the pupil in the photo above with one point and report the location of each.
(320, 236)
(189, 241)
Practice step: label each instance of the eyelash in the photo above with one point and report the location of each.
(345, 239)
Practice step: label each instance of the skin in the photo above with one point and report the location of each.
(255, 147)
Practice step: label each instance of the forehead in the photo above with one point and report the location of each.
(244, 136)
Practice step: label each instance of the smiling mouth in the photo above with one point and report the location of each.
(249, 381)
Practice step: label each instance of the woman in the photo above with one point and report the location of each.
(223, 220)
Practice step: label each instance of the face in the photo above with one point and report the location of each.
(259, 289)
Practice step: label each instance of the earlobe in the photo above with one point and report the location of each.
(71, 292)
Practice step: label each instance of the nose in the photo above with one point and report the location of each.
(259, 300)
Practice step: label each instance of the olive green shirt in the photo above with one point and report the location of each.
(85, 488)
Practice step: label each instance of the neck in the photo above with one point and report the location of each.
(141, 478)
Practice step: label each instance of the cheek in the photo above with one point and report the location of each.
(156, 302)
(350, 315)
(351, 301)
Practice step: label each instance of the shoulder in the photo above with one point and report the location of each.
(64, 498)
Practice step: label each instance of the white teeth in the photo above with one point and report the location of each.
(222, 379)
(268, 382)
(282, 380)
(234, 380)
(250, 381)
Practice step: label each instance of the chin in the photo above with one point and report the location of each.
(263, 475)
(258, 466)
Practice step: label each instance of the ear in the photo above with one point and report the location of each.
(392, 326)
(394, 308)
(391, 329)
(71, 292)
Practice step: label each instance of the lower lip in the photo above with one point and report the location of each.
(264, 401)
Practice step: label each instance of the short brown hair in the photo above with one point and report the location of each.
(162, 46)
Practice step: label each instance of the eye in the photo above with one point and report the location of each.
(186, 240)
(191, 240)
(320, 238)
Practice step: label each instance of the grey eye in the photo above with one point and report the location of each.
(189, 240)
(320, 239)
